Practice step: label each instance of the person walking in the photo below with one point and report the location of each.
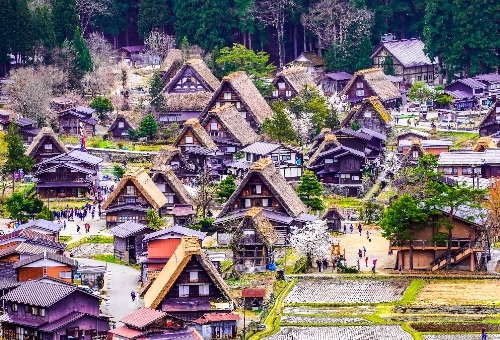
(366, 261)
(360, 253)
(77, 228)
(325, 264)
(364, 251)
(367, 235)
(351, 228)
(360, 229)
(484, 336)
(318, 264)
(358, 266)
(132, 294)
(64, 225)
(374, 263)
(345, 229)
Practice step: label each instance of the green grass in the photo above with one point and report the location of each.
(65, 239)
(412, 291)
(342, 202)
(91, 239)
(112, 259)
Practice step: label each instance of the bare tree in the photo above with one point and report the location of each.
(89, 9)
(98, 82)
(101, 51)
(205, 192)
(157, 45)
(336, 21)
(272, 13)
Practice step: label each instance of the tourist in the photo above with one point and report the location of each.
(374, 263)
(318, 264)
(358, 266)
(325, 264)
(367, 235)
(366, 261)
(351, 228)
(77, 228)
(484, 336)
(64, 225)
(400, 269)
(345, 229)
(364, 251)
(360, 253)
(360, 229)
(132, 294)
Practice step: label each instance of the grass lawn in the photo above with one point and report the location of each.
(342, 202)
(112, 259)
(91, 239)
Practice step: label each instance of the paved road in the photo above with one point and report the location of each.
(121, 281)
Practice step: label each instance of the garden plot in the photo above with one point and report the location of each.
(290, 319)
(476, 336)
(346, 291)
(476, 293)
(347, 332)
(351, 310)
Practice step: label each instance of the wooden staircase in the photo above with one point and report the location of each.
(456, 256)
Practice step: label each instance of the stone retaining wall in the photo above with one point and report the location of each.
(118, 156)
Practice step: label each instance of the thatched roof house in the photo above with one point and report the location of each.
(169, 178)
(239, 88)
(414, 153)
(292, 79)
(187, 252)
(333, 217)
(370, 114)
(233, 125)
(46, 136)
(188, 102)
(255, 219)
(164, 157)
(194, 76)
(484, 143)
(120, 126)
(194, 135)
(171, 64)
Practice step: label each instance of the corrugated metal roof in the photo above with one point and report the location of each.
(490, 156)
(128, 228)
(409, 52)
(41, 224)
(472, 83)
(177, 229)
(338, 75)
(261, 148)
(459, 94)
(427, 142)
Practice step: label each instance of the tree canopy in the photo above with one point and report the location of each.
(149, 126)
(310, 190)
(16, 159)
(279, 127)
(225, 189)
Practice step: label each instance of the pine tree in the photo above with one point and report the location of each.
(153, 14)
(225, 189)
(156, 93)
(117, 22)
(65, 19)
(363, 53)
(279, 127)
(310, 191)
(43, 27)
(154, 220)
(16, 159)
(23, 37)
(6, 33)
(149, 126)
(83, 61)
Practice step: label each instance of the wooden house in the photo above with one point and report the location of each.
(161, 245)
(253, 242)
(484, 143)
(230, 132)
(369, 114)
(46, 264)
(239, 90)
(24, 250)
(370, 142)
(468, 246)
(58, 104)
(492, 82)
(334, 82)
(127, 240)
(70, 121)
(253, 298)
(333, 217)
(290, 82)
(132, 198)
(195, 144)
(24, 234)
(313, 63)
(372, 82)
(491, 122)
(120, 127)
(189, 91)
(71, 174)
(339, 165)
(179, 202)
(27, 128)
(150, 322)
(413, 134)
(49, 309)
(413, 154)
(45, 145)
(4, 120)
(171, 65)
(467, 93)
(170, 155)
(467, 163)
(189, 285)
(408, 60)
(432, 146)
(218, 325)
(42, 227)
(288, 159)
(263, 186)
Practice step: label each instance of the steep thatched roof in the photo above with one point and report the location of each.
(45, 133)
(357, 110)
(484, 143)
(276, 183)
(318, 140)
(234, 123)
(416, 145)
(118, 118)
(377, 81)
(333, 210)
(248, 94)
(255, 219)
(172, 60)
(296, 77)
(144, 184)
(191, 102)
(329, 144)
(165, 280)
(174, 183)
(199, 68)
(164, 157)
(199, 132)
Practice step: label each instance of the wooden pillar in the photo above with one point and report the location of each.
(400, 258)
(472, 261)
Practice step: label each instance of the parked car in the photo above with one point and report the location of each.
(443, 124)
(412, 108)
(464, 120)
(89, 290)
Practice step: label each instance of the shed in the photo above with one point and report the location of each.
(253, 298)
(128, 239)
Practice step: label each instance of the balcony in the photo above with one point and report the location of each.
(426, 245)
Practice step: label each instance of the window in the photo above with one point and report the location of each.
(193, 276)
(13, 307)
(430, 76)
(244, 114)
(65, 275)
(275, 93)
(249, 157)
(238, 105)
(170, 199)
(249, 232)
(217, 104)
(34, 310)
(368, 114)
(130, 190)
(450, 171)
(248, 203)
(328, 160)
(203, 290)
(189, 140)
(359, 85)
(214, 127)
(345, 176)
(281, 86)
(286, 157)
(355, 178)
(497, 117)
(415, 154)
(183, 291)
(360, 93)
(265, 202)
(497, 109)
(129, 200)
(256, 189)
(466, 171)
(288, 93)
(47, 146)
(274, 158)
(231, 149)
(425, 76)
(227, 95)
(419, 78)
(121, 125)
(161, 186)
(41, 311)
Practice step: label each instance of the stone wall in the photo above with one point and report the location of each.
(118, 156)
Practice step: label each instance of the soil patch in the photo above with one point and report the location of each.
(477, 293)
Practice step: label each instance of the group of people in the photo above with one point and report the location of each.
(87, 228)
(360, 229)
(72, 214)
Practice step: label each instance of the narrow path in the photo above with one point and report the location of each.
(375, 186)
(121, 281)
(492, 264)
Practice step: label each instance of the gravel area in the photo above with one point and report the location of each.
(332, 310)
(348, 333)
(346, 291)
(459, 336)
(319, 320)
(89, 249)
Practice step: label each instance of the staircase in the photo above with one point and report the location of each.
(456, 256)
(281, 237)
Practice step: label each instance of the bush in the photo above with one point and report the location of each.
(204, 224)
(45, 214)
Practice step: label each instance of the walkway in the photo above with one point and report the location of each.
(121, 281)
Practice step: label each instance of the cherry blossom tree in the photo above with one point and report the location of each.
(301, 125)
(392, 163)
(312, 240)
(157, 45)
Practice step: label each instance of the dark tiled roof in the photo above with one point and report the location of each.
(85, 157)
(24, 121)
(25, 233)
(176, 230)
(490, 77)
(261, 148)
(25, 248)
(9, 283)
(41, 224)
(40, 294)
(52, 326)
(21, 321)
(338, 75)
(459, 94)
(183, 210)
(46, 255)
(142, 317)
(472, 83)
(129, 228)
